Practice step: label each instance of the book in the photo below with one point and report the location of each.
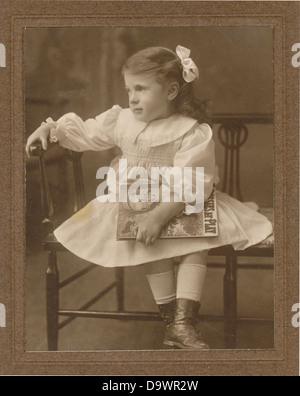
(196, 225)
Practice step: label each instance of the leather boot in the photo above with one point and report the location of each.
(182, 333)
(167, 312)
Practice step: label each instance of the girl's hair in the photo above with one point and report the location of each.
(166, 66)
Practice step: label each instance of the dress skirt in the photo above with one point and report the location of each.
(91, 234)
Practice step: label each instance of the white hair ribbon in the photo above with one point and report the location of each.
(190, 70)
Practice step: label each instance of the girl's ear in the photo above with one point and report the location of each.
(173, 90)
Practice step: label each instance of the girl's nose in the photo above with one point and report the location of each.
(133, 98)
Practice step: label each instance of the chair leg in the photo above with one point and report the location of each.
(120, 288)
(230, 301)
(52, 300)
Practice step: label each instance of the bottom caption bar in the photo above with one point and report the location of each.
(147, 384)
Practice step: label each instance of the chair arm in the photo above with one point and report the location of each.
(36, 150)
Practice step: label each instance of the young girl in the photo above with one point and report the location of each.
(163, 126)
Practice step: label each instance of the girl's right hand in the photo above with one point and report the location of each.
(149, 228)
(40, 134)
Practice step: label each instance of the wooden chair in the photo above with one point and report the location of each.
(233, 135)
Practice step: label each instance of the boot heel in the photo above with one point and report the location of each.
(169, 343)
(181, 332)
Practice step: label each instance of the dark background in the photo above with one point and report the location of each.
(79, 69)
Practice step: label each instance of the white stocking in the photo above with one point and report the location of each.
(191, 276)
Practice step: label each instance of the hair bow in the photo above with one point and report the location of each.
(190, 70)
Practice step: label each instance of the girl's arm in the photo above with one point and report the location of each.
(73, 133)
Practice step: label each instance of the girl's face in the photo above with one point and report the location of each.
(148, 99)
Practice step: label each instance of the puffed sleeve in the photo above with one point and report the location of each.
(96, 134)
(198, 150)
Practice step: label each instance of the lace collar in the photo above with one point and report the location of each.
(156, 132)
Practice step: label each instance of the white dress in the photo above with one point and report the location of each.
(175, 141)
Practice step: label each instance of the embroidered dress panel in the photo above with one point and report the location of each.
(140, 154)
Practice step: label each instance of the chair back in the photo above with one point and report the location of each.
(233, 134)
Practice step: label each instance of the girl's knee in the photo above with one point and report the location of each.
(157, 267)
(196, 258)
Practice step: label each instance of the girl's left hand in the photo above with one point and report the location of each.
(149, 228)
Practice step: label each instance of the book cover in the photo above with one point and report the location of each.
(202, 224)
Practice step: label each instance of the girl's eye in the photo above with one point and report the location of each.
(138, 88)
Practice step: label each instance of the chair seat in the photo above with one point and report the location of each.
(51, 244)
(269, 213)
(262, 249)
(266, 246)
(259, 250)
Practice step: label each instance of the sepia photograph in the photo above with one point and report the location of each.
(107, 108)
